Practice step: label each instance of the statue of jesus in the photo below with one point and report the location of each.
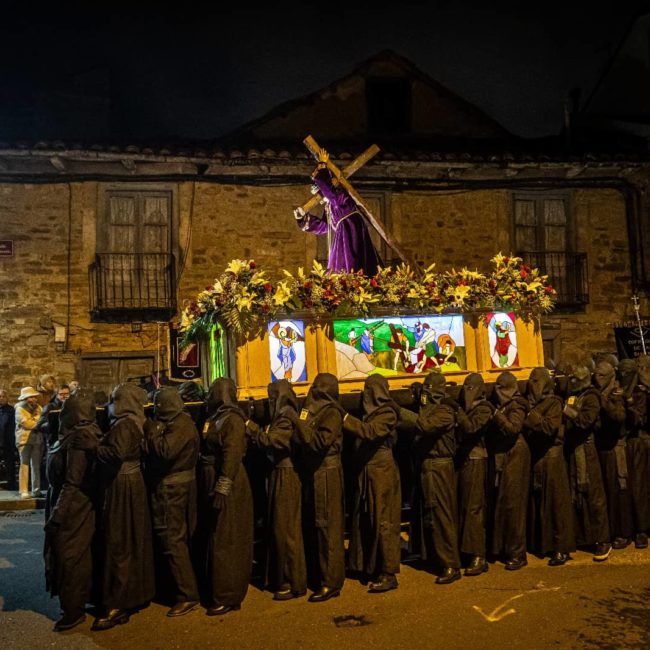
(350, 246)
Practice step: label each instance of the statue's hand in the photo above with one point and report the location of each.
(323, 156)
(298, 213)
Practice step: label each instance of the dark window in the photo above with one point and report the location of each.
(543, 236)
(388, 102)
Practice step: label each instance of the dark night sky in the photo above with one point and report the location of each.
(196, 74)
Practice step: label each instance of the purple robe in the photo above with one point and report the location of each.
(351, 248)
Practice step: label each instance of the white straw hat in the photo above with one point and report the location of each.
(28, 391)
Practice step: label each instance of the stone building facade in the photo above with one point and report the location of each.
(107, 242)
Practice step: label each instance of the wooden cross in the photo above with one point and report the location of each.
(340, 178)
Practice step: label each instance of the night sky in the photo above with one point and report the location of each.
(195, 74)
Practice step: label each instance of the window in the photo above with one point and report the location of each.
(388, 102)
(132, 277)
(543, 236)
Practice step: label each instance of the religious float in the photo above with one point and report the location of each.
(399, 323)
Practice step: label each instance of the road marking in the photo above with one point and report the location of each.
(13, 541)
(497, 614)
(5, 564)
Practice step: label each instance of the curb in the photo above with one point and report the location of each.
(11, 504)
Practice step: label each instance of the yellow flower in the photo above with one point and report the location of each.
(186, 320)
(245, 301)
(282, 294)
(236, 266)
(533, 286)
(258, 279)
(362, 296)
(317, 269)
(218, 287)
(460, 292)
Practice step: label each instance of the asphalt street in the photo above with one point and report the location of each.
(581, 605)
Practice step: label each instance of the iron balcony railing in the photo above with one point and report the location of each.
(137, 285)
(567, 273)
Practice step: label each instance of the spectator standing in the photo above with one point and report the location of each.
(46, 388)
(28, 441)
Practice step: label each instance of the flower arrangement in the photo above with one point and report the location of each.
(243, 298)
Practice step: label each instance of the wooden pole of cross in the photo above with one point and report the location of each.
(340, 177)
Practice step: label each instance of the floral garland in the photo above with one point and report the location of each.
(242, 298)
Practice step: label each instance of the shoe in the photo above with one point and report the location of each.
(386, 582)
(558, 559)
(641, 541)
(180, 609)
(448, 576)
(620, 542)
(25, 495)
(477, 566)
(602, 551)
(288, 594)
(67, 623)
(113, 617)
(515, 563)
(323, 594)
(219, 610)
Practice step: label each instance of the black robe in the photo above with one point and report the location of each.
(511, 472)
(70, 528)
(550, 520)
(434, 525)
(286, 564)
(582, 416)
(471, 460)
(226, 519)
(128, 573)
(375, 542)
(172, 445)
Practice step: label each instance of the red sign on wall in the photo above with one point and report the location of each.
(6, 248)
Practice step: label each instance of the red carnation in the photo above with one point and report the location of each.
(252, 264)
(374, 283)
(268, 287)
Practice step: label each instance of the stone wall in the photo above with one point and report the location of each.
(41, 285)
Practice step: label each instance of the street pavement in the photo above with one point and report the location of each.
(581, 605)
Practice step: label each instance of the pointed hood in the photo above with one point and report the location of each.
(77, 409)
(540, 385)
(506, 388)
(222, 398)
(127, 401)
(433, 388)
(644, 370)
(281, 394)
(167, 404)
(473, 391)
(579, 380)
(628, 375)
(376, 395)
(604, 377)
(323, 392)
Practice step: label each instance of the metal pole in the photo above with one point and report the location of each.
(635, 300)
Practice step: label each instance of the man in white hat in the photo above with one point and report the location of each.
(28, 441)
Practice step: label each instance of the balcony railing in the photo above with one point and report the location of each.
(132, 287)
(567, 273)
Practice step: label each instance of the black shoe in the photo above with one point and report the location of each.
(113, 617)
(67, 623)
(620, 542)
(558, 559)
(602, 551)
(448, 576)
(386, 582)
(179, 609)
(515, 563)
(641, 541)
(218, 610)
(288, 594)
(477, 566)
(323, 594)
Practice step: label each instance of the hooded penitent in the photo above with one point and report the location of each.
(604, 377)
(506, 388)
(281, 394)
(540, 385)
(222, 398)
(323, 392)
(376, 395)
(167, 404)
(644, 370)
(473, 391)
(433, 388)
(579, 380)
(628, 375)
(127, 401)
(79, 409)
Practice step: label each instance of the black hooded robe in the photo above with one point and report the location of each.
(319, 428)
(550, 521)
(473, 419)
(511, 471)
(225, 499)
(286, 565)
(128, 572)
(434, 525)
(70, 528)
(375, 545)
(610, 442)
(582, 416)
(172, 447)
